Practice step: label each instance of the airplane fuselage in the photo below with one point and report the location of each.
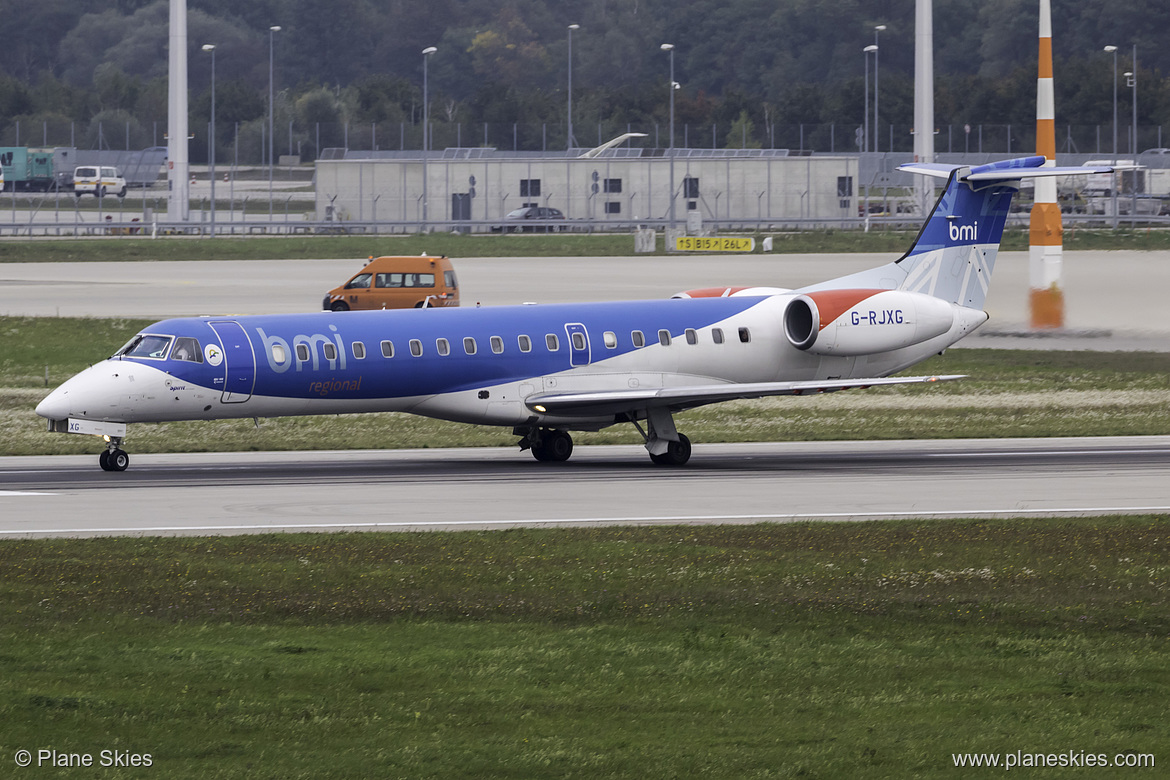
(466, 365)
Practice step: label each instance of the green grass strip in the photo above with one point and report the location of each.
(479, 245)
(802, 650)
(1007, 393)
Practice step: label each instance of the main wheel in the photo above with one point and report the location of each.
(559, 446)
(677, 453)
(553, 447)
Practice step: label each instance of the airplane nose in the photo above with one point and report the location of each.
(55, 406)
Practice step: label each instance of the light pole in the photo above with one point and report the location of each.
(271, 110)
(426, 53)
(871, 49)
(877, 29)
(569, 140)
(1131, 81)
(211, 143)
(669, 47)
(1113, 50)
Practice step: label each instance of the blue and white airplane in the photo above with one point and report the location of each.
(545, 370)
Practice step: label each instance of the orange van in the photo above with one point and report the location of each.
(398, 283)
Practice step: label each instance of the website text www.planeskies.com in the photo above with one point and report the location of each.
(1067, 759)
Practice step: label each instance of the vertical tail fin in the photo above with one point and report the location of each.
(954, 255)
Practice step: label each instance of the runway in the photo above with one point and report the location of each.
(502, 488)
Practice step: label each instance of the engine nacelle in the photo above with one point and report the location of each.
(862, 322)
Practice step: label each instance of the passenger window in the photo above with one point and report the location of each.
(387, 349)
(610, 339)
(390, 280)
(359, 282)
(416, 347)
(329, 350)
(302, 352)
(279, 356)
(469, 345)
(552, 342)
(578, 341)
(745, 335)
(638, 338)
(359, 350)
(692, 337)
(525, 343)
(717, 335)
(664, 338)
(188, 349)
(497, 344)
(443, 347)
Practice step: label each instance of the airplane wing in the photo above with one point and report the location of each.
(588, 404)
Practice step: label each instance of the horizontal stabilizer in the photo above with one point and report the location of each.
(690, 396)
(1005, 170)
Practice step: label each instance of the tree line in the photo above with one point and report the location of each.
(748, 70)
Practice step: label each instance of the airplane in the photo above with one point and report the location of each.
(545, 370)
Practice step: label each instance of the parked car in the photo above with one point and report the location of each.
(397, 283)
(98, 180)
(531, 219)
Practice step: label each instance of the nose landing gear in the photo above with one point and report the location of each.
(114, 458)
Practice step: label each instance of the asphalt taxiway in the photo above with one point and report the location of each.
(502, 488)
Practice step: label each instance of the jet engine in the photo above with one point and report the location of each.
(862, 322)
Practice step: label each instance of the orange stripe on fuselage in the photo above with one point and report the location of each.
(833, 303)
(713, 292)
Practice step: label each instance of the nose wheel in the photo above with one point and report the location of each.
(114, 458)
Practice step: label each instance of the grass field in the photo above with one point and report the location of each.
(805, 650)
(536, 245)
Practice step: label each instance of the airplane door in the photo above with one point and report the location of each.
(578, 344)
(239, 361)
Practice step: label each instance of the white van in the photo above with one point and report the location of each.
(98, 180)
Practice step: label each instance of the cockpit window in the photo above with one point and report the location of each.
(187, 349)
(146, 346)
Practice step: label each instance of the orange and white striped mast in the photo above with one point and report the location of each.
(1046, 234)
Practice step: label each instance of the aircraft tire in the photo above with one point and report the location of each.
(677, 453)
(118, 460)
(104, 460)
(558, 446)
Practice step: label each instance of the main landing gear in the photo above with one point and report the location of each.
(114, 458)
(667, 447)
(548, 445)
